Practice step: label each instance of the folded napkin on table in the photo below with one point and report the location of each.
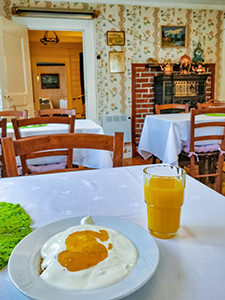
(14, 226)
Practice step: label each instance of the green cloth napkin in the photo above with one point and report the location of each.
(215, 115)
(9, 126)
(14, 226)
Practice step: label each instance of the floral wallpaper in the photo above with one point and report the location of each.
(142, 26)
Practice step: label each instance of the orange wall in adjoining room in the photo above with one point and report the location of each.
(54, 94)
(67, 53)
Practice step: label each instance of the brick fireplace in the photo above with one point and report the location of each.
(143, 95)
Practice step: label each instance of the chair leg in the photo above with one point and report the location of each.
(202, 168)
(192, 166)
(153, 159)
(212, 167)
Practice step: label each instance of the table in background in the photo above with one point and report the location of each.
(88, 158)
(165, 135)
(191, 266)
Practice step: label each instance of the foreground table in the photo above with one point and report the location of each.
(165, 135)
(191, 266)
(84, 157)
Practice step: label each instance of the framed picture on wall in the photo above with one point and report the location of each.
(115, 38)
(173, 36)
(117, 62)
(50, 81)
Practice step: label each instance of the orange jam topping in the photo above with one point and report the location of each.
(83, 250)
(110, 246)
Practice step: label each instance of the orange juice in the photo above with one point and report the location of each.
(164, 198)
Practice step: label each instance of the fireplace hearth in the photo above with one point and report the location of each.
(180, 88)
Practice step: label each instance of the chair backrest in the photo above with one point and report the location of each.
(25, 146)
(3, 123)
(14, 113)
(55, 111)
(183, 108)
(209, 104)
(219, 135)
(70, 120)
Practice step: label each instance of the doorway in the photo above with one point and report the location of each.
(89, 56)
(57, 70)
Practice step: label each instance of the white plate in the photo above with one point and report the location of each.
(24, 262)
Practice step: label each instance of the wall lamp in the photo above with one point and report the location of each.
(55, 13)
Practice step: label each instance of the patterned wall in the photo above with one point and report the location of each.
(142, 27)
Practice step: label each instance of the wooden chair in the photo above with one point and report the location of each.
(181, 108)
(38, 121)
(79, 105)
(209, 104)
(206, 161)
(14, 113)
(45, 103)
(55, 112)
(35, 144)
(3, 134)
(175, 107)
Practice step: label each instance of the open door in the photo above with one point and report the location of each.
(15, 70)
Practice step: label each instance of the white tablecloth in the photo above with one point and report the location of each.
(84, 157)
(165, 135)
(191, 266)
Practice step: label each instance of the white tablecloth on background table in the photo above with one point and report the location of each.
(165, 135)
(88, 158)
(191, 266)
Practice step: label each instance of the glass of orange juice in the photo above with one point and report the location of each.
(164, 195)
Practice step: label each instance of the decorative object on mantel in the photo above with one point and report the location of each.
(51, 39)
(198, 60)
(185, 64)
(198, 52)
(152, 61)
(199, 69)
(167, 68)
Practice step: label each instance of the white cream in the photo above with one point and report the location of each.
(87, 220)
(120, 261)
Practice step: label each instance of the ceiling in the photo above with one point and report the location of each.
(64, 36)
(201, 4)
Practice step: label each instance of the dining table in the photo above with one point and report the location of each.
(89, 158)
(165, 135)
(191, 265)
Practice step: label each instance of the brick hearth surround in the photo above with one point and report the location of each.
(143, 96)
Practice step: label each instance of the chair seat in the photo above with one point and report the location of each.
(202, 149)
(46, 168)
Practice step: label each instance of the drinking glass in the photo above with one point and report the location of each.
(164, 195)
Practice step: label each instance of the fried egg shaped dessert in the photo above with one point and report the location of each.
(87, 257)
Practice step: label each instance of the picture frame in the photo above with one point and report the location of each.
(173, 36)
(115, 38)
(50, 81)
(117, 62)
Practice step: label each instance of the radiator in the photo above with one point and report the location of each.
(113, 123)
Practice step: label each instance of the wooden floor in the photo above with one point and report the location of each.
(136, 161)
(140, 161)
